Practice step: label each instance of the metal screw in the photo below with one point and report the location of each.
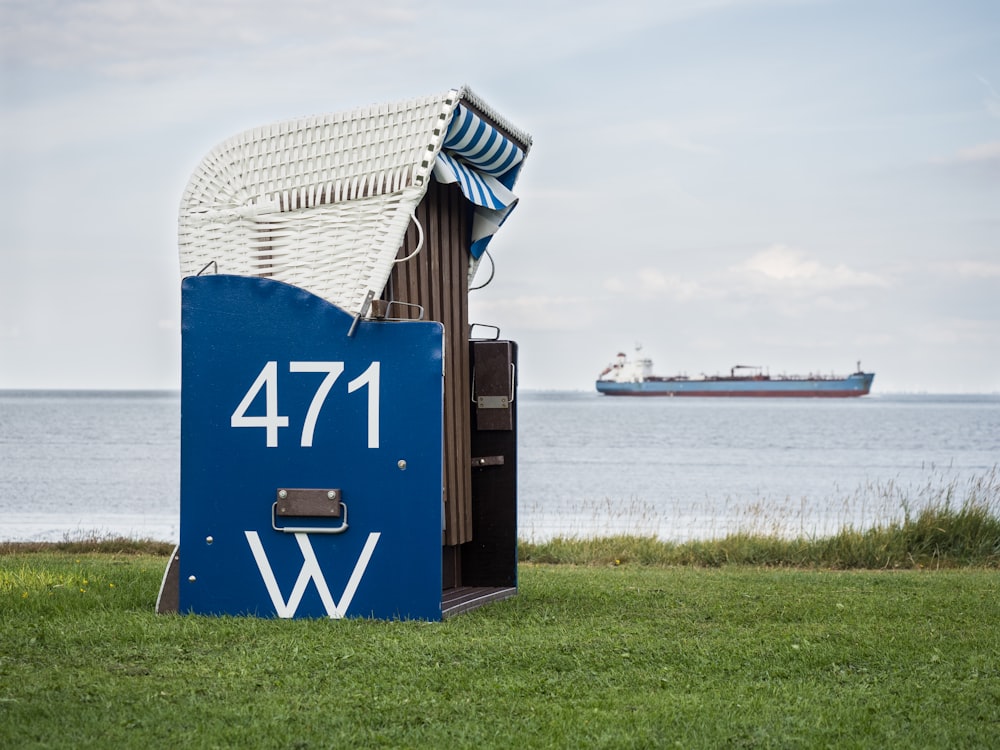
(282, 494)
(192, 579)
(209, 540)
(401, 463)
(331, 495)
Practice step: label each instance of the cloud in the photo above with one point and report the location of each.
(616, 285)
(976, 269)
(653, 284)
(9, 331)
(535, 312)
(124, 39)
(981, 154)
(960, 332)
(778, 266)
(787, 267)
(979, 163)
(992, 101)
(665, 133)
(984, 152)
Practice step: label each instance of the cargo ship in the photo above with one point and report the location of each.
(625, 377)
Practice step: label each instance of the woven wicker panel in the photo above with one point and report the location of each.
(321, 202)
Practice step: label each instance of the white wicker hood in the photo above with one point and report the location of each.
(324, 202)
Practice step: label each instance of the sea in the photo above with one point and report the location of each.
(77, 465)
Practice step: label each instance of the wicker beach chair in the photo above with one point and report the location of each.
(324, 202)
(394, 201)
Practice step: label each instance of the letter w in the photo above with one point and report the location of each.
(310, 572)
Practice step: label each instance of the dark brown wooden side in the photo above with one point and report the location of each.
(490, 557)
(437, 280)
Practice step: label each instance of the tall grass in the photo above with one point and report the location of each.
(876, 502)
(82, 543)
(942, 524)
(947, 525)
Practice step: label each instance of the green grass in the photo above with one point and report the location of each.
(881, 637)
(955, 527)
(614, 656)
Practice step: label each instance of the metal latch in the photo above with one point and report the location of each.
(487, 461)
(309, 503)
(492, 402)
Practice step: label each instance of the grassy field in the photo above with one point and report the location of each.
(600, 655)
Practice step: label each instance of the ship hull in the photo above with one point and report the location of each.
(851, 386)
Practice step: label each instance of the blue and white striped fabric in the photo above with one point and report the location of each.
(481, 189)
(485, 165)
(480, 145)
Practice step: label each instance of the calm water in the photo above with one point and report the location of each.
(699, 468)
(72, 464)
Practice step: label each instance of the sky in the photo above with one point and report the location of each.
(796, 184)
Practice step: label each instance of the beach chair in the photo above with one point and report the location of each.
(383, 211)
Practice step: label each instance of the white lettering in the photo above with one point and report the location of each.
(267, 380)
(310, 572)
(370, 378)
(271, 421)
(332, 370)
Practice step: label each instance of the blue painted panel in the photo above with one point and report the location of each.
(254, 419)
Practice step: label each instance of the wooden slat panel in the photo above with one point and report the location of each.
(460, 239)
(436, 279)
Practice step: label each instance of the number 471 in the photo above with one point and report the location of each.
(271, 420)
